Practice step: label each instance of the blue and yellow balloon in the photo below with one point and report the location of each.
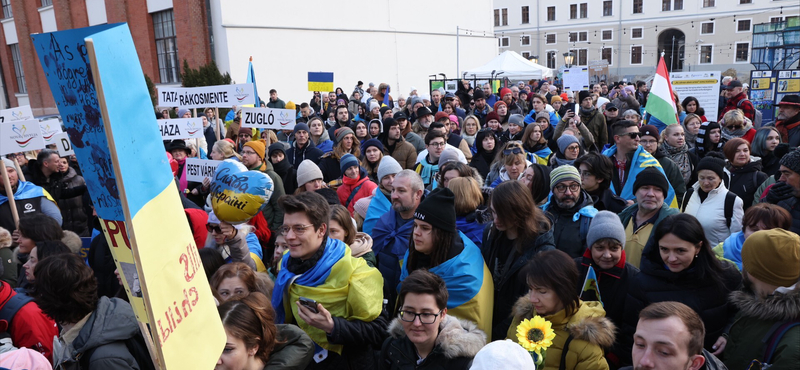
(238, 194)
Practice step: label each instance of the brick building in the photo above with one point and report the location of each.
(165, 32)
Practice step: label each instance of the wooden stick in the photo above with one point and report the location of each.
(20, 175)
(10, 194)
(219, 128)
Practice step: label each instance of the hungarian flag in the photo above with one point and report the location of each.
(660, 102)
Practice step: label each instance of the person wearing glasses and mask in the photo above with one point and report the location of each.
(316, 288)
(423, 335)
(571, 208)
(735, 124)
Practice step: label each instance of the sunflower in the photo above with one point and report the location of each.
(536, 334)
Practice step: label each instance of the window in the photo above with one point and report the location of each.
(46, 3)
(550, 38)
(707, 28)
(583, 36)
(605, 53)
(166, 46)
(584, 10)
(505, 17)
(706, 51)
(551, 59)
(636, 55)
(6, 8)
(708, 3)
(745, 1)
(678, 5)
(666, 5)
(525, 40)
(742, 52)
(607, 35)
(776, 20)
(497, 17)
(551, 13)
(525, 15)
(573, 37)
(743, 25)
(583, 57)
(608, 8)
(636, 33)
(20, 73)
(526, 55)
(503, 41)
(638, 6)
(573, 11)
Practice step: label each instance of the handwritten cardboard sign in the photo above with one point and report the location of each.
(199, 169)
(220, 96)
(20, 136)
(181, 128)
(268, 118)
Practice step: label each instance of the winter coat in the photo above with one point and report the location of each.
(770, 164)
(510, 282)
(482, 160)
(457, 343)
(711, 213)
(692, 286)
(104, 332)
(566, 228)
(330, 168)
(596, 123)
(592, 332)
(793, 206)
(754, 321)
(404, 153)
(296, 155)
(288, 174)
(415, 140)
(349, 185)
(273, 213)
(745, 181)
(606, 200)
(72, 211)
(293, 351)
(626, 216)
(673, 173)
(30, 327)
(390, 240)
(243, 247)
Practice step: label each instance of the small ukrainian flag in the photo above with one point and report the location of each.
(320, 81)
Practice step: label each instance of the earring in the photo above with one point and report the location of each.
(695, 256)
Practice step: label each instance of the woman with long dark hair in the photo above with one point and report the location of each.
(745, 170)
(692, 106)
(487, 147)
(763, 146)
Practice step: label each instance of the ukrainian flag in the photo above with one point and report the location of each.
(469, 284)
(641, 160)
(320, 81)
(590, 287)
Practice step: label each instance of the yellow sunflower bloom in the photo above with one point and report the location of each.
(536, 334)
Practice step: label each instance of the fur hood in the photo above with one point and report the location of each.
(588, 324)
(780, 306)
(457, 338)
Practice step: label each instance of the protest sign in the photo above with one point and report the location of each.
(22, 113)
(181, 128)
(49, 129)
(123, 161)
(787, 83)
(198, 169)
(63, 144)
(576, 79)
(762, 94)
(220, 96)
(598, 71)
(704, 86)
(20, 136)
(268, 118)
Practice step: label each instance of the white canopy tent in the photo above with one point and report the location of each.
(513, 66)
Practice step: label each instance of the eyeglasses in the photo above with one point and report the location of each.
(510, 151)
(561, 188)
(735, 127)
(248, 152)
(437, 145)
(573, 147)
(213, 228)
(425, 318)
(298, 229)
(632, 135)
(648, 142)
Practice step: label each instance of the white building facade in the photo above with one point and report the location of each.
(695, 35)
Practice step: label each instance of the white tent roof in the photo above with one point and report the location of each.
(513, 66)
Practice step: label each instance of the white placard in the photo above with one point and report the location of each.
(576, 79)
(221, 96)
(702, 85)
(64, 145)
(22, 113)
(268, 118)
(199, 169)
(20, 136)
(181, 128)
(50, 129)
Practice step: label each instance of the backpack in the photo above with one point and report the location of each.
(730, 201)
(12, 306)
(771, 341)
(757, 118)
(136, 346)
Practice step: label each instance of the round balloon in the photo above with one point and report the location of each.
(238, 194)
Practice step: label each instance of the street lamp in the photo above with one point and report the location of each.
(569, 57)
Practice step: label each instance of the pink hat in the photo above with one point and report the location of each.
(454, 119)
(24, 358)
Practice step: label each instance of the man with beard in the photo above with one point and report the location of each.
(508, 97)
(391, 233)
(343, 119)
(481, 108)
(28, 198)
(302, 148)
(395, 145)
(570, 209)
(424, 120)
(593, 119)
(789, 120)
(491, 98)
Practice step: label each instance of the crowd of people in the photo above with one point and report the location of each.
(418, 231)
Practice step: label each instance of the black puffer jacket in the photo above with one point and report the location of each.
(288, 174)
(296, 155)
(72, 210)
(457, 343)
(482, 160)
(745, 181)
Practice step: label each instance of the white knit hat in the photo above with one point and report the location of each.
(307, 171)
(503, 354)
(388, 166)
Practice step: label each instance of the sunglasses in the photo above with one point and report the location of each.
(735, 127)
(213, 229)
(512, 151)
(632, 135)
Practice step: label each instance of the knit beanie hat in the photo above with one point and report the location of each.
(371, 142)
(383, 110)
(555, 98)
(583, 94)
(388, 166)
(439, 115)
(340, 133)
(291, 105)
(517, 120)
(492, 116)
(649, 130)
(373, 104)
(712, 163)
(448, 155)
(651, 176)
(772, 256)
(478, 94)
(499, 102)
(566, 140)
(276, 147)
(259, 146)
(605, 224)
(792, 160)
(307, 171)
(348, 160)
(503, 354)
(182, 112)
(504, 91)
(564, 173)
(543, 115)
(564, 97)
(438, 209)
(9, 163)
(245, 130)
(301, 127)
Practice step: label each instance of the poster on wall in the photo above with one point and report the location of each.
(787, 83)
(703, 85)
(762, 94)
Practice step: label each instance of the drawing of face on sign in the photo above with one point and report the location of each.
(238, 194)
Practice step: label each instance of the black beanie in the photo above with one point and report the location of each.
(438, 209)
(583, 94)
(712, 163)
(651, 176)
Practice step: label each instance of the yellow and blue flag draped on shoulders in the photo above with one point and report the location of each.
(590, 287)
(320, 81)
(541, 156)
(345, 285)
(641, 160)
(469, 284)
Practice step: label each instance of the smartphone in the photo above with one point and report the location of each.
(309, 303)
